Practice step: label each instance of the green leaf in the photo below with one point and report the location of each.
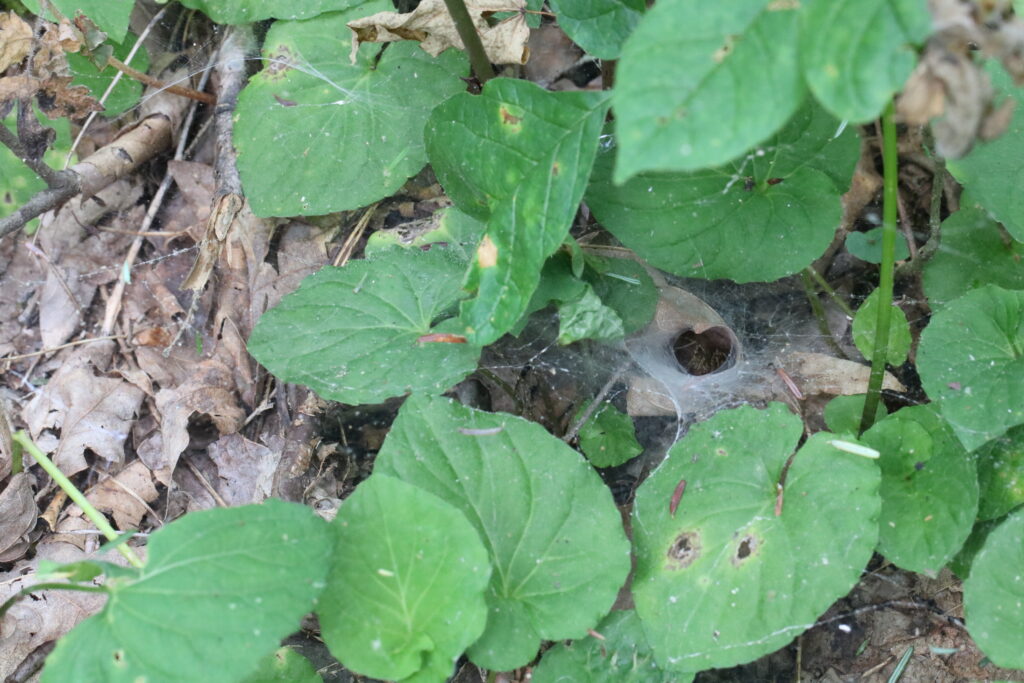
(600, 27)
(856, 53)
(867, 246)
(865, 329)
(724, 579)
(127, 92)
(248, 11)
(625, 287)
(698, 85)
(622, 655)
(1001, 474)
(761, 218)
(111, 16)
(929, 489)
(972, 253)
(518, 157)
(219, 590)
(991, 173)
(843, 413)
(352, 334)
(971, 360)
(608, 438)
(316, 134)
(553, 533)
(961, 564)
(457, 231)
(406, 593)
(588, 318)
(994, 595)
(285, 666)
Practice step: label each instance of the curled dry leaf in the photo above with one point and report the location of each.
(432, 26)
(949, 88)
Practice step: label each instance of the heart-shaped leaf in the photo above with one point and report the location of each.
(608, 438)
(929, 489)
(972, 253)
(406, 592)
(518, 157)
(554, 535)
(358, 334)
(758, 219)
(856, 53)
(219, 590)
(316, 134)
(994, 594)
(971, 360)
(691, 72)
(865, 329)
(728, 567)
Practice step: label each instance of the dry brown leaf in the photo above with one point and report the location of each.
(125, 495)
(78, 410)
(432, 26)
(245, 469)
(15, 39)
(209, 391)
(18, 513)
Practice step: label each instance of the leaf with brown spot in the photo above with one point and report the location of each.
(15, 39)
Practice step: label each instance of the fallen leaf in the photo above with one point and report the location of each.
(432, 26)
(245, 469)
(125, 495)
(210, 391)
(17, 516)
(78, 410)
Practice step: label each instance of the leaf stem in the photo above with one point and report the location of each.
(48, 586)
(885, 276)
(76, 496)
(471, 39)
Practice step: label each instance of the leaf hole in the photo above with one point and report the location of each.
(685, 550)
(748, 544)
(702, 353)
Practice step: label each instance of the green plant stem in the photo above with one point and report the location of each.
(471, 39)
(885, 276)
(819, 312)
(76, 496)
(47, 586)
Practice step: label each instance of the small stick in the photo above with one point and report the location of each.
(54, 349)
(598, 400)
(205, 98)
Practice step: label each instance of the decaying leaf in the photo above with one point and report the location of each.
(432, 26)
(79, 410)
(17, 516)
(15, 39)
(245, 469)
(949, 88)
(125, 495)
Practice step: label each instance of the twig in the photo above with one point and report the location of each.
(928, 249)
(205, 483)
(52, 177)
(54, 349)
(205, 98)
(114, 302)
(471, 39)
(345, 253)
(588, 413)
